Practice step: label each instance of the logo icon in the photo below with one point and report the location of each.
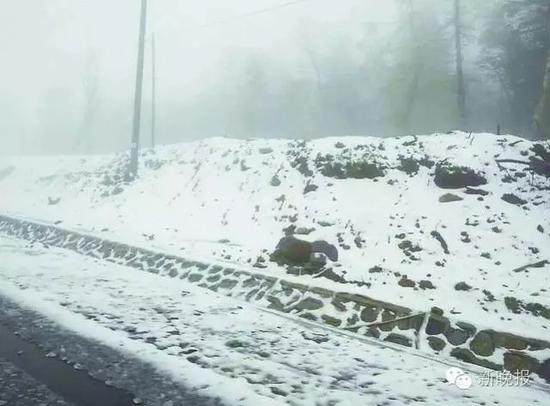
(456, 376)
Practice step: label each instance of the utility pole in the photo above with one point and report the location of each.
(154, 92)
(134, 150)
(461, 91)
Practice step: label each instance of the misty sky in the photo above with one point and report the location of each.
(48, 45)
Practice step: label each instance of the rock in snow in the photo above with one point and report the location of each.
(293, 251)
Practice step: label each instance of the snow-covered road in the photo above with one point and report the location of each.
(222, 347)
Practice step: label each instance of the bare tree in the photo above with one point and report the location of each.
(418, 67)
(542, 113)
(90, 92)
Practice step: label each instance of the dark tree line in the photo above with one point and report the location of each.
(517, 44)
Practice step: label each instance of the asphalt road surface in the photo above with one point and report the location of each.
(31, 375)
(19, 388)
(29, 368)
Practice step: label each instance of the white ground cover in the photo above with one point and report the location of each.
(215, 200)
(223, 347)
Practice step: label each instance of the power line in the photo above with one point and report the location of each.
(266, 10)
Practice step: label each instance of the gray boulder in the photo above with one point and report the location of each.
(449, 197)
(293, 251)
(325, 248)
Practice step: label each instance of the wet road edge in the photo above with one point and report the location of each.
(97, 364)
(70, 382)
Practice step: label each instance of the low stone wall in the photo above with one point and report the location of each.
(429, 331)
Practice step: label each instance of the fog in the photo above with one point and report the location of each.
(262, 68)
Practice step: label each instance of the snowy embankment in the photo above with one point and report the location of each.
(215, 346)
(407, 228)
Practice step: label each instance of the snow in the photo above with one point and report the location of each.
(212, 200)
(223, 347)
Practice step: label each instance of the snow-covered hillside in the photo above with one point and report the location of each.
(406, 227)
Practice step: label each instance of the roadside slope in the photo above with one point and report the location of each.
(377, 200)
